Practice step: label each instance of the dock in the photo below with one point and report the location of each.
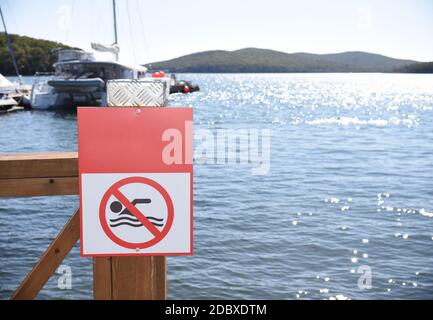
(11, 110)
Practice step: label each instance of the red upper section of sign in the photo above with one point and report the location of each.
(129, 140)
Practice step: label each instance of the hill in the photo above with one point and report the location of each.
(421, 67)
(264, 60)
(36, 55)
(32, 54)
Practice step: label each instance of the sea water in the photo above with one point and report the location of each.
(345, 211)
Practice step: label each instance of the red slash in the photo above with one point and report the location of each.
(133, 209)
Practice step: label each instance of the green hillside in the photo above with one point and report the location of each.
(36, 55)
(32, 54)
(421, 67)
(263, 60)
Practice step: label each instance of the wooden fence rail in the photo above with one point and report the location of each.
(51, 174)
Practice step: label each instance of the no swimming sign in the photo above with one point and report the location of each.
(135, 171)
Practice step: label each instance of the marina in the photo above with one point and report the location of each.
(11, 109)
(78, 78)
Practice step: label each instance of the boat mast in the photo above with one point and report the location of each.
(9, 44)
(115, 27)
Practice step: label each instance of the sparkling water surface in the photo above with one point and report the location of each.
(350, 185)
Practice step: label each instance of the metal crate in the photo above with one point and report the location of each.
(137, 93)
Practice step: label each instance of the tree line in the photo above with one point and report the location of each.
(32, 55)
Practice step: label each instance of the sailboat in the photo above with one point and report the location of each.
(12, 93)
(80, 79)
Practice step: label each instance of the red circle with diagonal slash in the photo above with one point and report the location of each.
(114, 191)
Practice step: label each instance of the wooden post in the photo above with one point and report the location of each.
(129, 278)
(102, 287)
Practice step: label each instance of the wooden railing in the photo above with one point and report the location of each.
(53, 174)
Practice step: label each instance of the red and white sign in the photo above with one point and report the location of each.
(135, 171)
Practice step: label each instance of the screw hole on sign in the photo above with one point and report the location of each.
(123, 201)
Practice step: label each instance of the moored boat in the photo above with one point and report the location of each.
(15, 91)
(6, 102)
(182, 86)
(80, 79)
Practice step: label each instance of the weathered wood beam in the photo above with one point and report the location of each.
(32, 187)
(39, 165)
(39, 174)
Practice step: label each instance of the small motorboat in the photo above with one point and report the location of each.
(183, 86)
(177, 86)
(13, 93)
(7, 102)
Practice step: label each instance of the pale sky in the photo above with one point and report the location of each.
(164, 29)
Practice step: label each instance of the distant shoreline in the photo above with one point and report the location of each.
(256, 60)
(36, 55)
(184, 72)
(312, 72)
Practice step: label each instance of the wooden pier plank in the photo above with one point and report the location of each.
(11, 110)
(32, 187)
(50, 260)
(39, 165)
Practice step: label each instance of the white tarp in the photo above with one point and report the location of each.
(4, 82)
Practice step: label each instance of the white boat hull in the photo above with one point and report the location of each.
(6, 103)
(45, 97)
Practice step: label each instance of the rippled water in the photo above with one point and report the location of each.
(350, 185)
